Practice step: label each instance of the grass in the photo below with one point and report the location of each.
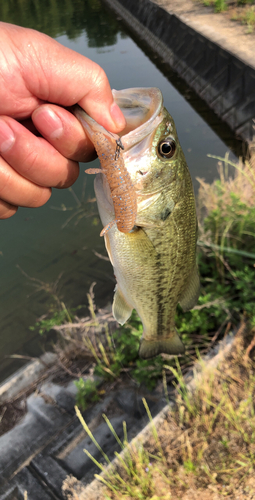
(246, 16)
(238, 10)
(114, 351)
(226, 213)
(206, 444)
(87, 392)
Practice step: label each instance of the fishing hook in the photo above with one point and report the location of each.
(119, 146)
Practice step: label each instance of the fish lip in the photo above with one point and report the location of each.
(149, 100)
(91, 126)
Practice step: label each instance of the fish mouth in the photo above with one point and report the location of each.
(142, 110)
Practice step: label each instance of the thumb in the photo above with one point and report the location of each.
(59, 75)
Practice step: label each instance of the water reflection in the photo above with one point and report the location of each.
(70, 17)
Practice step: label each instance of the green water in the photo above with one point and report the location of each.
(61, 238)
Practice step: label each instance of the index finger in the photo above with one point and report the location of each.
(66, 77)
(50, 72)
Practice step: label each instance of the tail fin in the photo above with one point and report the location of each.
(150, 348)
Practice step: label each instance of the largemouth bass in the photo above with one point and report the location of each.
(155, 261)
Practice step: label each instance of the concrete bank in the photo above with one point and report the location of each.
(219, 69)
(46, 445)
(73, 489)
(43, 455)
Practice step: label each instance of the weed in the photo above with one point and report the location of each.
(244, 2)
(87, 392)
(227, 237)
(229, 204)
(207, 439)
(220, 6)
(56, 317)
(249, 18)
(136, 464)
(228, 232)
(85, 207)
(58, 312)
(189, 466)
(239, 10)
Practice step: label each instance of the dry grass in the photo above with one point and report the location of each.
(226, 209)
(87, 338)
(206, 447)
(241, 183)
(242, 11)
(246, 15)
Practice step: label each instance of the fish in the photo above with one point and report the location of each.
(154, 262)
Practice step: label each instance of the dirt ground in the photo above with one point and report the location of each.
(219, 27)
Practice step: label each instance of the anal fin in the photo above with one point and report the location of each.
(121, 310)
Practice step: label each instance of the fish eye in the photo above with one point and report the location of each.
(166, 148)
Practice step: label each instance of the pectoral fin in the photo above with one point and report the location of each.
(150, 348)
(108, 247)
(121, 310)
(145, 201)
(191, 293)
(141, 242)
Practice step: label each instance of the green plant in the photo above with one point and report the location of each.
(249, 19)
(226, 212)
(220, 5)
(87, 392)
(58, 313)
(189, 466)
(228, 237)
(244, 2)
(230, 206)
(136, 463)
(207, 439)
(55, 317)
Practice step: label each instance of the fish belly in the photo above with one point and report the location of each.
(153, 275)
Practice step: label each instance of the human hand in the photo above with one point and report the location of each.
(38, 76)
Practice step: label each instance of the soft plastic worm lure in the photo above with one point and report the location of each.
(109, 150)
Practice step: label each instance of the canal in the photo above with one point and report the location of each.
(54, 249)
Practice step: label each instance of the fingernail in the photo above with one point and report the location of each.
(48, 123)
(117, 116)
(7, 137)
